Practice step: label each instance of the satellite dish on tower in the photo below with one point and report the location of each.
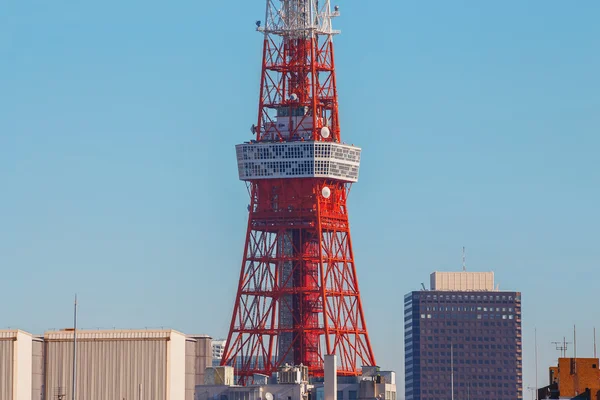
(294, 97)
(326, 192)
(325, 132)
(268, 396)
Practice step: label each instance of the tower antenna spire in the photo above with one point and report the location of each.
(464, 260)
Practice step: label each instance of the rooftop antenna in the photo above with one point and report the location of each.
(595, 342)
(562, 347)
(74, 348)
(464, 260)
(423, 285)
(536, 364)
(575, 360)
(452, 369)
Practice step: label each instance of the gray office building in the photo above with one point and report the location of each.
(463, 335)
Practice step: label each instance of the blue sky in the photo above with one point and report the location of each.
(478, 120)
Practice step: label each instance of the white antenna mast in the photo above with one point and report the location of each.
(594, 342)
(536, 365)
(74, 383)
(464, 265)
(452, 368)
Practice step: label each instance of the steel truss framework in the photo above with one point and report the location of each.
(298, 67)
(298, 297)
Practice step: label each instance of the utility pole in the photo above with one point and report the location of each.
(575, 360)
(594, 342)
(536, 366)
(452, 369)
(74, 348)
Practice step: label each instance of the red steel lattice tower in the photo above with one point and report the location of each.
(298, 296)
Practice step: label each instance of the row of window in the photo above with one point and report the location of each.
(461, 346)
(259, 152)
(467, 316)
(472, 382)
(300, 168)
(472, 308)
(466, 297)
(484, 338)
(346, 154)
(322, 150)
(281, 168)
(467, 370)
(272, 152)
(466, 324)
(352, 395)
(497, 374)
(460, 354)
(510, 394)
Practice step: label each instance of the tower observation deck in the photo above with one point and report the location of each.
(298, 297)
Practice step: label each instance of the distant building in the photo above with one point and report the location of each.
(573, 378)
(116, 364)
(218, 347)
(16, 371)
(292, 383)
(466, 332)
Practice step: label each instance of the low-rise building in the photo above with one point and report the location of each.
(291, 383)
(15, 365)
(573, 378)
(115, 364)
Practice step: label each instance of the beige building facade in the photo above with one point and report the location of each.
(117, 364)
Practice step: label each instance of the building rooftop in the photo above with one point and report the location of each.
(111, 334)
(462, 281)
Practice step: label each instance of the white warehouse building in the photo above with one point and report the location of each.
(116, 364)
(15, 365)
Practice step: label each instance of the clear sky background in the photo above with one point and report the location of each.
(479, 124)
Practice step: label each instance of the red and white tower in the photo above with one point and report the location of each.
(298, 296)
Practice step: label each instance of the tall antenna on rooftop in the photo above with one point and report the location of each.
(594, 342)
(464, 260)
(575, 359)
(452, 369)
(574, 342)
(74, 348)
(562, 347)
(536, 364)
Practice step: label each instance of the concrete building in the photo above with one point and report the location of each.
(218, 348)
(15, 365)
(573, 378)
(198, 356)
(462, 331)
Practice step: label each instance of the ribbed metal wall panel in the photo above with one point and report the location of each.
(6, 369)
(190, 369)
(110, 335)
(198, 356)
(108, 369)
(37, 369)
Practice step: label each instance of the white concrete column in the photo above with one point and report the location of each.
(330, 377)
(22, 372)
